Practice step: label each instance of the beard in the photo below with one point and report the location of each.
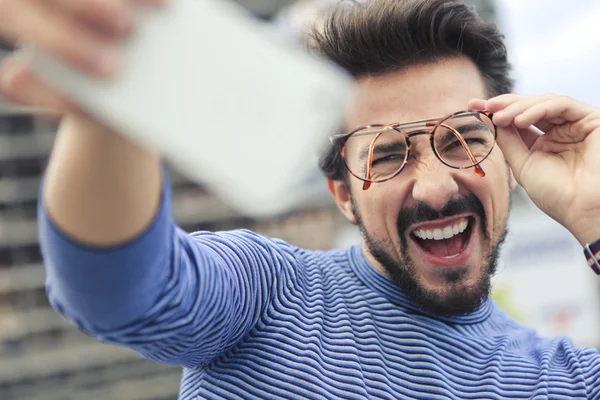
(459, 296)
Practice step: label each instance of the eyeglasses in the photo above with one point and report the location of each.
(377, 153)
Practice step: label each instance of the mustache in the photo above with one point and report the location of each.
(422, 212)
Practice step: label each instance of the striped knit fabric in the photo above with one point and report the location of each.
(253, 318)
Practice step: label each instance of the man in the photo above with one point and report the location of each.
(407, 313)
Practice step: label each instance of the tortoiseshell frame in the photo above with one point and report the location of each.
(434, 123)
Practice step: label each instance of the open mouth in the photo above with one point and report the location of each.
(445, 241)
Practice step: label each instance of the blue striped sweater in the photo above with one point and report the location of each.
(250, 317)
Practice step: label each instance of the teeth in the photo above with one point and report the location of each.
(442, 233)
(448, 232)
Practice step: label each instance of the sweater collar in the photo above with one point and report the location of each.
(387, 288)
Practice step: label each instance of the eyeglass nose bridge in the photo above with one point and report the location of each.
(420, 132)
(432, 128)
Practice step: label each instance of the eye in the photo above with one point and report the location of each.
(389, 158)
(471, 141)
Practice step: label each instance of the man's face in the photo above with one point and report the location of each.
(449, 276)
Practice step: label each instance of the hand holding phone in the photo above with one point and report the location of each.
(220, 97)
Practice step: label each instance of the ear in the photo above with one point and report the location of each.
(343, 198)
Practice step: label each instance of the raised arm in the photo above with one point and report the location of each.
(117, 265)
(176, 298)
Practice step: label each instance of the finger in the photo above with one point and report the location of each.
(477, 104)
(40, 23)
(9, 12)
(498, 103)
(19, 85)
(559, 108)
(514, 148)
(506, 115)
(112, 16)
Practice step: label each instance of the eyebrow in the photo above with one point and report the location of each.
(381, 148)
(462, 129)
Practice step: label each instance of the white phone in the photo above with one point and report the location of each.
(221, 97)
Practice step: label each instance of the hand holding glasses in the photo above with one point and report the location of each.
(377, 153)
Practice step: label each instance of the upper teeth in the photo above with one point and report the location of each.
(442, 233)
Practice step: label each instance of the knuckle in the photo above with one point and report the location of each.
(566, 99)
(548, 97)
(74, 47)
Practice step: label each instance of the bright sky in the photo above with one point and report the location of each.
(554, 46)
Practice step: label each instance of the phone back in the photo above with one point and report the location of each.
(220, 97)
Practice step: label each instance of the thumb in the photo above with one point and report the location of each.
(514, 149)
(19, 85)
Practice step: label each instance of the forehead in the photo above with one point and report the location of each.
(418, 92)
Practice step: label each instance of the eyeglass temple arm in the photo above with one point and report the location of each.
(478, 170)
(367, 183)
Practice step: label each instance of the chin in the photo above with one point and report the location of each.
(465, 276)
(447, 291)
(453, 291)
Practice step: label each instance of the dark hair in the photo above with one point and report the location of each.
(375, 37)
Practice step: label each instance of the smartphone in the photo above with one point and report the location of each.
(221, 97)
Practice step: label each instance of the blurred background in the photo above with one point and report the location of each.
(543, 280)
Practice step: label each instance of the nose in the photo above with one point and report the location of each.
(434, 182)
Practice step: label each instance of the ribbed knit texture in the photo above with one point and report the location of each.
(249, 317)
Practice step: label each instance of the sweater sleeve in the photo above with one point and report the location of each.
(173, 297)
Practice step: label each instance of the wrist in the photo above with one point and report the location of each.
(588, 236)
(590, 233)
